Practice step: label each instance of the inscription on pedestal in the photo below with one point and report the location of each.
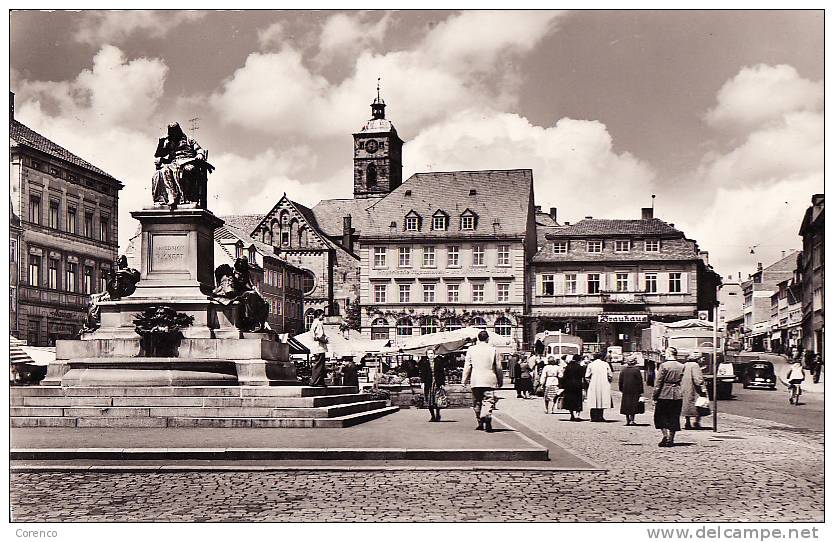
(168, 253)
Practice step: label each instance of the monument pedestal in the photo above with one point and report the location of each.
(177, 271)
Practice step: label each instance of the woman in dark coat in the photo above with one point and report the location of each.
(571, 382)
(432, 371)
(631, 385)
(350, 374)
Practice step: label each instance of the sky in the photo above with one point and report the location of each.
(717, 113)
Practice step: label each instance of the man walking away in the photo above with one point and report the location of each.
(484, 372)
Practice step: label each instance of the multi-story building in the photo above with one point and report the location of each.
(758, 290)
(279, 282)
(448, 250)
(69, 233)
(730, 300)
(605, 280)
(812, 269)
(786, 314)
(14, 269)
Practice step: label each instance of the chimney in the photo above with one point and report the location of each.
(759, 266)
(816, 199)
(553, 213)
(739, 276)
(538, 208)
(705, 256)
(347, 233)
(647, 213)
(567, 223)
(588, 217)
(783, 254)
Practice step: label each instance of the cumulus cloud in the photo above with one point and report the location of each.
(271, 36)
(439, 76)
(761, 94)
(343, 35)
(99, 27)
(574, 165)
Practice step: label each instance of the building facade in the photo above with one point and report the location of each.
(812, 269)
(786, 315)
(758, 290)
(15, 232)
(448, 250)
(730, 300)
(605, 280)
(68, 211)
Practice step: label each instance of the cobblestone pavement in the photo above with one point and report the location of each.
(750, 471)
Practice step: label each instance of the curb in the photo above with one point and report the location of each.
(162, 469)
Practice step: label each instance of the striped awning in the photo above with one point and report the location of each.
(566, 312)
(296, 347)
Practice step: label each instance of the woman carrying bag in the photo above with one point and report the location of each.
(433, 374)
(549, 381)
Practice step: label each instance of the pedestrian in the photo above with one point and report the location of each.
(817, 372)
(484, 372)
(538, 348)
(350, 373)
(668, 398)
(549, 380)
(692, 387)
(432, 371)
(572, 384)
(511, 365)
(631, 386)
(599, 377)
(517, 376)
(525, 377)
(318, 373)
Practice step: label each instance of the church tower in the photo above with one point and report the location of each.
(377, 155)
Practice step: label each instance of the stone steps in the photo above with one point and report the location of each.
(198, 406)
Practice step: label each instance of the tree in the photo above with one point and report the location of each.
(353, 317)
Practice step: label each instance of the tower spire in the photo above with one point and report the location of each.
(378, 107)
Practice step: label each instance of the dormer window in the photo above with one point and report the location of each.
(468, 220)
(440, 221)
(411, 223)
(560, 247)
(652, 245)
(622, 246)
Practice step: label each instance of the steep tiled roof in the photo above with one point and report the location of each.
(23, 135)
(605, 227)
(329, 214)
(247, 223)
(501, 196)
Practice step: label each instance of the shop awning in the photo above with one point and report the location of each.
(296, 347)
(565, 312)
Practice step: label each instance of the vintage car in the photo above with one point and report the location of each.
(759, 374)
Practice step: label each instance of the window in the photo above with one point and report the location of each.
(71, 219)
(593, 283)
(405, 293)
(309, 317)
(404, 327)
(285, 237)
(621, 282)
(52, 274)
(438, 222)
(428, 256)
(595, 247)
(503, 254)
(102, 281)
(88, 225)
(622, 246)
(467, 222)
(405, 256)
(478, 255)
(428, 293)
(379, 257)
(570, 283)
(428, 324)
(88, 279)
(35, 209)
(379, 293)
(12, 250)
(34, 270)
(477, 293)
(54, 209)
(371, 175)
(453, 293)
(478, 322)
(548, 285)
(652, 245)
(502, 292)
(72, 273)
(453, 256)
(308, 282)
(278, 307)
(503, 326)
(453, 323)
(651, 283)
(675, 283)
(279, 279)
(412, 223)
(379, 329)
(560, 247)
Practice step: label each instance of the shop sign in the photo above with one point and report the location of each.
(64, 314)
(622, 318)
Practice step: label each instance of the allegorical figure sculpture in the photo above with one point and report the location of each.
(119, 283)
(181, 170)
(234, 284)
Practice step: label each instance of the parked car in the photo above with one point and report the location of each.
(759, 374)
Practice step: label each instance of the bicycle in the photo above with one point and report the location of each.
(796, 391)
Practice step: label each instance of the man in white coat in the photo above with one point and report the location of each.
(599, 375)
(484, 371)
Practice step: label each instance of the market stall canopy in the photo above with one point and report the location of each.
(19, 352)
(339, 346)
(445, 341)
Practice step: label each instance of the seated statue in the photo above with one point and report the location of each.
(181, 170)
(235, 284)
(122, 281)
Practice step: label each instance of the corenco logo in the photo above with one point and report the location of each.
(26, 533)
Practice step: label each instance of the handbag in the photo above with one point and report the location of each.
(441, 399)
(641, 405)
(702, 406)
(560, 403)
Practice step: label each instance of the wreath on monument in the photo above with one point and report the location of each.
(161, 329)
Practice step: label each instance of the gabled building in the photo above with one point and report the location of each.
(605, 280)
(447, 250)
(68, 233)
(812, 269)
(758, 290)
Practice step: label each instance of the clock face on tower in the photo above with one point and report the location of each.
(371, 146)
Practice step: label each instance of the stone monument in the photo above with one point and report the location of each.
(225, 341)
